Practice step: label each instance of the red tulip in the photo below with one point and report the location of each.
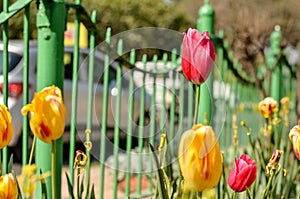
(198, 55)
(243, 174)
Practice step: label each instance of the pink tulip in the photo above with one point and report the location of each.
(243, 174)
(198, 55)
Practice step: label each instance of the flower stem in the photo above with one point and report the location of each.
(32, 150)
(197, 103)
(266, 192)
(249, 193)
(186, 194)
(224, 177)
(53, 164)
(199, 195)
(234, 195)
(77, 183)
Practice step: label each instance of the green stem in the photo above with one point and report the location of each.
(53, 164)
(199, 195)
(32, 150)
(186, 195)
(77, 183)
(266, 192)
(197, 103)
(249, 193)
(224, 178)
(234, 195)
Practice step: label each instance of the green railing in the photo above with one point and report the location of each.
(229, 96)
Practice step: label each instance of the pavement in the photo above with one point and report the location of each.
(95, 180)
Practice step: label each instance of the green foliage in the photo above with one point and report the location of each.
(123, 15)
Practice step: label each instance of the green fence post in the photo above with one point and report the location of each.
(5, 79)
(50, 71)
(276, 78)
(206, 22)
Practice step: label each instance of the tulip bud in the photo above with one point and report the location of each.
(6, 127)
(80, 161)
(273, 162)
(268, 107)
(200, 158)
(295, 139)
(47, 114)
(198, 55)
(243, 174)
(8, 187)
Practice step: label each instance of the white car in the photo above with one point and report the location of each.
(15, 87)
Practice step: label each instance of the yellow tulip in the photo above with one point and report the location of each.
(28, 179)
(295, 139)
(268, 107)
(6, 127)
(8, 187)
(47, 114)
(200, 158)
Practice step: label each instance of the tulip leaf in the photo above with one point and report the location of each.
(18, 185)
(10, 163)
(92, 196)
(81, 187)
(70, 187)
(161, 179)
(43, 185)
(165, 158)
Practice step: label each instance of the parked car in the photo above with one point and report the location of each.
(15, 88)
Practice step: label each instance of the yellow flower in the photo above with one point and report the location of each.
(285, 101)
(295, 139)
(268, 107)
(200, 158)
(8, 187)
(47, 114)
(6, 127)
(28, 179)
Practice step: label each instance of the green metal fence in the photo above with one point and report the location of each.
(229, 96)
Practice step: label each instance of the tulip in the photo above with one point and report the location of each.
(243, 174)
(198, 55)
(6, 127)
(47, 114)
(295, 139)
(8, 187)
(80, 161)
(268, 107)
(28, 179)
(200, 158)
(274, 160)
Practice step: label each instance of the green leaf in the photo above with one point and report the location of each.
(166, 159)
(81, 188)
(10, 163)
(44, 186)
(70, 187)
(92, 196)
(161, 179)
(18, 185)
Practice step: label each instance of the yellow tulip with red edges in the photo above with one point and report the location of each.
(6, 127)
(200, 158)
(8, 187)
(47, 114)
(295, 139)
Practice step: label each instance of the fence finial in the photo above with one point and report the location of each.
(277, 28)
